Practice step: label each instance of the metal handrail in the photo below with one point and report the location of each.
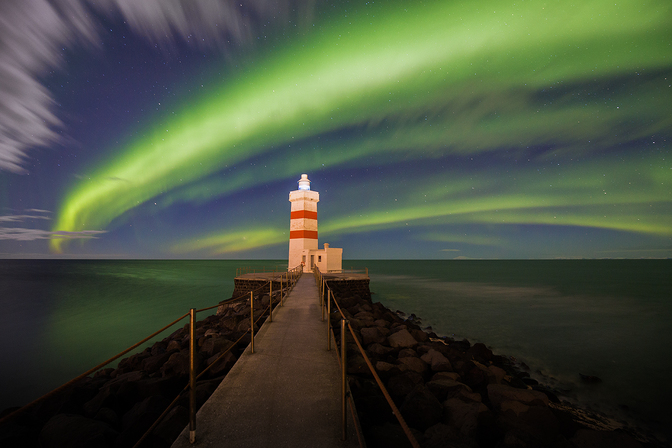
(323, 286)
(292, 276)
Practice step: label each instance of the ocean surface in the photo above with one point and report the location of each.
(608, 318)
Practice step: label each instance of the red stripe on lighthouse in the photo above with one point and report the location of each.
(303, 214)
(310, 234)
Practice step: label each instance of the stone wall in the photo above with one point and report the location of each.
(350, 287)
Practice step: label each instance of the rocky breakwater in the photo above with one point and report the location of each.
(452, 393)
(115, 406)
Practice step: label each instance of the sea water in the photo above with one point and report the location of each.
(607, 318)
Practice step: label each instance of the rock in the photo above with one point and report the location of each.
(378, 349)
(515, 406)
(436, 361)
(154, 363)
(174, 346)
(107, 415)
(222, 366)
(75, 431)
(463, 416)
(440, 436)
(421, 409)
(446, 375)
(357, 366)
(382, 366)
(402, 339)
(535, 427)
(402, 384)
(446, 388)
(139, 418)
(589, 438)
(404, 353)
(215, 345)
(498, 393)
(387, 435)
(496, 374)
(480, 353)
(172, 424)
(419, 335)
(414, 364)
(178, 364)
(371, 335)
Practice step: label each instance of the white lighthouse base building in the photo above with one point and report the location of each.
(328, 259)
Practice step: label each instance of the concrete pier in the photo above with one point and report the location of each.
(286, 393)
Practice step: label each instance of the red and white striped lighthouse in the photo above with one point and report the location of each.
(303, 224)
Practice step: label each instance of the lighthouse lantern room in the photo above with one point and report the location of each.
(303, 245)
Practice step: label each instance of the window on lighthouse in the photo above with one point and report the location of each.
(304, 183)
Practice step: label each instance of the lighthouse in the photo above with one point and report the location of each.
(303, 244)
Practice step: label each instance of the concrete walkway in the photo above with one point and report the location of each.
(286, 393)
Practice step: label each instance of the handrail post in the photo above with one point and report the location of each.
(329, 296)
(270, 301)
(192, 376)
(252, 319)
(281, 291)
(344, 378)
(322, 307)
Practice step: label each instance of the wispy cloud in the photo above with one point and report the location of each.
(21, 234)
(33, 32)
(30, 234)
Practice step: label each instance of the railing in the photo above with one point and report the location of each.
(325, 292)
(290, 277)
(260, 270)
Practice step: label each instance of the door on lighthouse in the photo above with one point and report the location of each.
(312, 262)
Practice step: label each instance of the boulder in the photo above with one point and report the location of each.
(496, 374)
(414, 364)
(537, 426)
(419, 335)
(446, 388)
(75, 431)
(154, 362)
(446, 375)
(463, 416)
(402, 339)
(358, 366)
(402, 384)
(436, 361)
(172, 425)
(378, 349)
(421, 409)
(387, 435)
(371, 335)
(215, 345)
(498, 393)
(382, 366)
(139, 418)
(515, 406)
(178, 364)
(480, 353)
(589, 438)
(406, 352)
(222, 366)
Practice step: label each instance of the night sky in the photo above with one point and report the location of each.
(431, 129)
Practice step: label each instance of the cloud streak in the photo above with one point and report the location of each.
(33, 33)
(27, 234)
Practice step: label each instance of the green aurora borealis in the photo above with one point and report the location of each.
(445, 125)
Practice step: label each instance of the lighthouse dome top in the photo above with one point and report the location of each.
(304, 183)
